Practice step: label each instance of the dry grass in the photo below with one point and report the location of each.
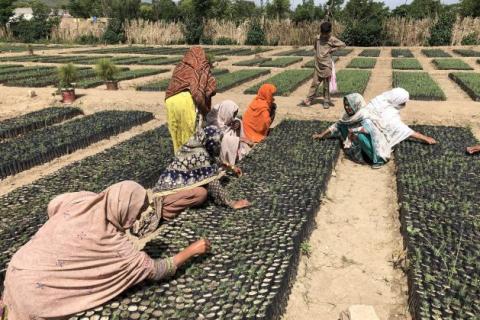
(159, 32)
(465, 27)
(71, 28)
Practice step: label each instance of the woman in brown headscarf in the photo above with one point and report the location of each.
(81, 257)
(190, 90)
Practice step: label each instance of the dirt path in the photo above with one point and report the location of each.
(357, 234)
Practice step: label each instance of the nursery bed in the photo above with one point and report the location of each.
(311, 63)
(362, 63)
(286, 81)
(47, 79)
(402, 53)
(252, 62)
(350, 81)
(121, 76)
(162, 85)
(370, 53)
(439, 198)
(43, 145)
(451, 64)
(281, 62)
(467, 52)
(436, 53)
(406, 64)
(255, 252)
(419, 84)
(469, 82)
(13, 127)
(233, 79)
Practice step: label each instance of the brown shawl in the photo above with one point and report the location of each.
(193, 74)
(80, 258)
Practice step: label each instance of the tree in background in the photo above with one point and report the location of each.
(39, 27)
(363, 21)
(307, 11)
(279, 9)
(118, 11)
(333, 9)
(165, 10)
(402, 11)
(194, 20)
(84, 8)
(6, 11)
(441, 32)
(243, 10)
(470, 8)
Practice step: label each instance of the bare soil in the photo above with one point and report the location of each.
(357, 237)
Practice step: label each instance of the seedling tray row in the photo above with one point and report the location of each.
(467, 52)
(13, 127)
(419, 84)
(402, 53)
(46, 79)
(362, 63)
(436, 53)
(286, 81)
(281, 62)
(451, 64)
(255, 252)
(124, 75)
(406, 64)
(370, 53)
(252, 62)
(48, 143)
(233, 79)
(439, 196)
(469, 82)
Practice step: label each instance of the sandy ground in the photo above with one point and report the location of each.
(358, 230)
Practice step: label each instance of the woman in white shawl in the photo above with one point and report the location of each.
(234, 145)
(380, 121)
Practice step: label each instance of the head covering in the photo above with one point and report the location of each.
(193, 74)
(397, 97)
(257, 120)
(223, 115)
(193, 165)
(356, 102)
(81, 257)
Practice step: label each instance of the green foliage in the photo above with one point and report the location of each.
(420, 9)
(362, 63)
(232, 79)
(350, 81)
(120, 76)
(244, 9)
(114, 33)
(467, 52)
(87, 39)
(279, 9)
(224, 41)
(67, 75)
(38, 28)
(370, 53)
(255, 35)
(165, 10)
(307, 11)
(106, 69)
(252, 62)
(6, 11)
(406, 64)
(286, 82)
(194, 20)
(402, 53)
(441, 32)
(121, 9)
(471, 39)
(419, 84)
(470, 8)
(281, 62)
(363, 21)
(451, 64)
(468, 81)
(306, 249)
(436, 53)
(84, 8)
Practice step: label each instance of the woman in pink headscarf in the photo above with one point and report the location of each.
(81, 258)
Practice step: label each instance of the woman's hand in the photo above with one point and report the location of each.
(235, 125)
(199, 247)
(430, 140)
(247, 141)
(474, 149)
(240, 204)
(237, 171)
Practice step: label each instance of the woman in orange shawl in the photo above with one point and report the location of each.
(81, 257)
(260, 114)
(190, 91)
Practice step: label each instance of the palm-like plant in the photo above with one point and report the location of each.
(67, 75)
(106, 69)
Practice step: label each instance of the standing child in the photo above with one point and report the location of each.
(325, 44)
